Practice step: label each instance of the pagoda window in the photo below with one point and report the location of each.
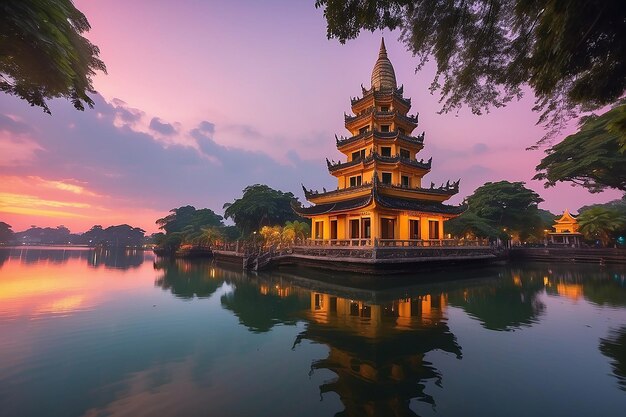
(333, 229)
(354, 228)
(364, 129)
(356, 181)
(366, 228)
(386, 177)
(319, 230)
(384, 108)
(405, 181)
(384, 128)
(358, 155)
(387, 228)
(433, 229)
(414, 229)
(404, 153)
(385, 150)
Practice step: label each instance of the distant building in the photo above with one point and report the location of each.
(380, 194)
(566, 231)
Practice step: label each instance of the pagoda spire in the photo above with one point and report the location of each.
(383, 75)
(382, 54)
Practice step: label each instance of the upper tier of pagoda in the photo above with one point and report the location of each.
(381, 165)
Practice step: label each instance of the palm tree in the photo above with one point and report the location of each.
(600, 223)
(210, 236)
(299, 231)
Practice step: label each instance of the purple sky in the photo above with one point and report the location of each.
(205, 98)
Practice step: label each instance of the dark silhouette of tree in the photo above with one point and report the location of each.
(594, 157)
(260, 206)
(43, 54)
(6, 234)
(121, 235)
(571, 53)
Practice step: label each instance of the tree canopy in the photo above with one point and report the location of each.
(43, 54)
(496, 207)
(189, 217)
(260, 206)
(571, 53)
(601, 223)
(594, 157)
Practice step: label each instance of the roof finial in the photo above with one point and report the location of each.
(383, 51)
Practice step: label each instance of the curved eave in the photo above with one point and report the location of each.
(420, 206)
(337, 207)
(368, 137)
(340, 194)
(383, 160)
(430, 194)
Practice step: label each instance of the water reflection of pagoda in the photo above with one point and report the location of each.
(380, 194)
(377, 350)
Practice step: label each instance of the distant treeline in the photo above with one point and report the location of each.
(120, 235)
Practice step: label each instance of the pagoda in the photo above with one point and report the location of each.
(380, 194)
(566, 231)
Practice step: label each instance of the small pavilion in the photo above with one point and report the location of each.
(566, 231)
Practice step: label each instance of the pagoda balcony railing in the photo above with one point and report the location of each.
(448, 188)
(416, 140)
(380, 115)
(333, 166)
(397, 243)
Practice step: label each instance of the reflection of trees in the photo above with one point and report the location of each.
(116, 257)
(614, 347)
(608, 289)
(507, 303)
(377, 351)
(4, 256)
(33, 255)
(262, 304)
(186, 278)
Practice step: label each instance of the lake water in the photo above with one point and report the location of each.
(119, 333)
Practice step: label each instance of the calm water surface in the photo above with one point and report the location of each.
(118, 333)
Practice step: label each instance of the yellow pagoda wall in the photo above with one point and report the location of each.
(401, 229)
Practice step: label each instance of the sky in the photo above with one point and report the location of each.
(203, 98)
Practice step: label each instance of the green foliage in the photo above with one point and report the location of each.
(297, 230)
(496, 207)
(600, 223)
(6, 234)
(260, 206)
(121, 235)
(190, 218)
(594, 157)
(42, 52)
(471, 225)
(571, 53)
(190, 226)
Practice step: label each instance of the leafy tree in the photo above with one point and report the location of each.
(43, 54)
(120, 235)
(297, 230)
(210, 236)
(601, 223)
(571, 53)
(502, 209)
(260, 206)
(6, 234)
(48, 235)
(594, 157)
(469, 224)
(185, 216)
